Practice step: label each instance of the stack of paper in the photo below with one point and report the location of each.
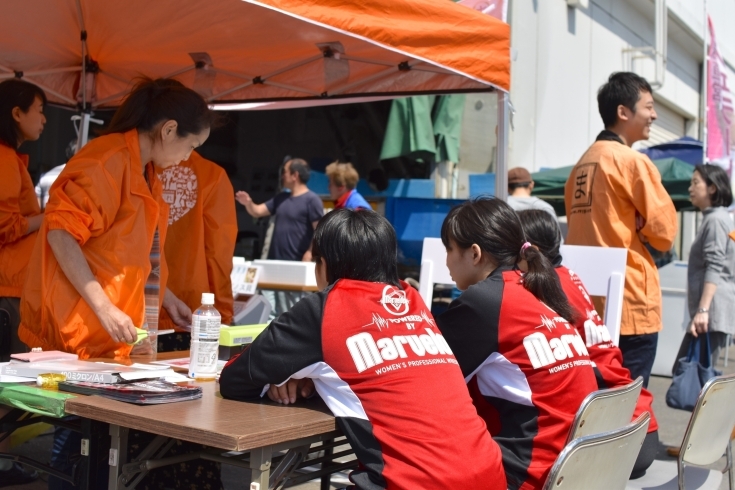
(96, 372)
(140, 392)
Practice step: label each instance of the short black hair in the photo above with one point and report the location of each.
(300, 166)
(16, 93)
(357, 244)
(543, 231)
(716, 176)
(622, 88)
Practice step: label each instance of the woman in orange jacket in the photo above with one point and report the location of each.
(21, 119)
(91, 270)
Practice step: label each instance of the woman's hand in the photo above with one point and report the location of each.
(290, 390)
(177, 310)
(699, 323)
(117, 324)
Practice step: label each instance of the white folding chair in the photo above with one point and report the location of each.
(433, 268)
(600, 460)
(706, 439)
(602, 270)
(606, 410)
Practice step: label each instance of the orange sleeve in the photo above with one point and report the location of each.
(13, 224)
(84, 200)
(654, 204)
(220, 235)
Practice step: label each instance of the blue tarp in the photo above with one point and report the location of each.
(686, 149)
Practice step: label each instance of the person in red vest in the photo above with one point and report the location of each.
(343, 179)
(526, 367)
(543, 232)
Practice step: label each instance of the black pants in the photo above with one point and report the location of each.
(638, 354)
(646, 455)
(9, 322)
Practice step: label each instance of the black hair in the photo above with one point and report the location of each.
(716, 176)
(543, 231)
(16, 93)
(622, 88)
(300, 166)
(357, 244)
(516, 185)
(152, 102)
(496, 229)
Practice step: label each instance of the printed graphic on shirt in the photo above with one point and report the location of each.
(367, 352)
(179, 191)
(543, 351)
(596, 332)
(409, 320)
(394, 301)
(584, 176)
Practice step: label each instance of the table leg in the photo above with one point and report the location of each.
(118, 454)
(94, 442)
(326, 481)
(260, 465)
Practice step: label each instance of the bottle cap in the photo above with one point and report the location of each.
(207, 298)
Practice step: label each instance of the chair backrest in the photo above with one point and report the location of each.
(606, 410)
(602, 270)
(600, 460)
(433, 268)
(711, 424)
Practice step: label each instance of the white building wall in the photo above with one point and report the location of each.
(562, 55)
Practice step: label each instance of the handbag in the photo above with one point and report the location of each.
(690, 376)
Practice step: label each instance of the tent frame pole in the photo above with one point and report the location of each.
(501, 148)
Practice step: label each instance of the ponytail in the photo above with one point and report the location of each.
(543, 282)
(495, 228)
(152, 102)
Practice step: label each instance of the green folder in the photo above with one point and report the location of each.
(34, 399)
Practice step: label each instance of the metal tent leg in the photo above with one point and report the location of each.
(501, 165)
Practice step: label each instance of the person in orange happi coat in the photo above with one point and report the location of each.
(21, 119)
(92, 262)
(200, 241)
(614, 198)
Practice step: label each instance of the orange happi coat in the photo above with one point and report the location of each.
(103, 200)
(17, 203)
(202, 230)
(610, 189)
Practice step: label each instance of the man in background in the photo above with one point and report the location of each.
(520, 186)
(614, 198)
(297, 212)
(343, 179)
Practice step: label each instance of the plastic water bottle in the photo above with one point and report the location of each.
(205, 326)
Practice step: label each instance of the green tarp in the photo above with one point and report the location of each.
(424, 127)
(675, 175)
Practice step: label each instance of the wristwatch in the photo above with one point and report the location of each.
(702, 310)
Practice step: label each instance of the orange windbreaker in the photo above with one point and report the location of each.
(608, 187)
(102, 199)
(202, 230)
(17, 202)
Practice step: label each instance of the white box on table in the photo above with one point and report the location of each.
(287, 272)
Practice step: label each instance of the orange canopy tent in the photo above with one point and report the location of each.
(248, 54)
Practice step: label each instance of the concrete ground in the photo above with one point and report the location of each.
(672, 424)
